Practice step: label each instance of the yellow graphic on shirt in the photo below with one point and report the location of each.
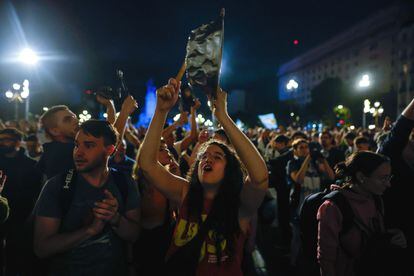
(181, 237)
(212, 248)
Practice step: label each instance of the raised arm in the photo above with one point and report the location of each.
(192, 137)
(397, 139)
(299, 176)
(169, 185)
(257, 182)
(128, 106)
(110, 108)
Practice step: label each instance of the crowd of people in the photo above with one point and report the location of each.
(107, 198)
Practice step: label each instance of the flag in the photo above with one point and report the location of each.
(204, 52)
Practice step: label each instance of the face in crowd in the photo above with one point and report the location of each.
(203, 136)
(301, 150)
(90, 153)
(8, 144)
(66, 124)
(170, 139)
(378, 181)
(211, 166)
(325, 140)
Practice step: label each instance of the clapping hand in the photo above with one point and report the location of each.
(106, 209)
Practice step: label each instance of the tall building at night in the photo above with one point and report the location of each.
(376, 54)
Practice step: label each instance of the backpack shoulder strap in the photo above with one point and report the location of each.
(67, 190)
(343, 204)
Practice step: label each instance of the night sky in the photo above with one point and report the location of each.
(83, 42)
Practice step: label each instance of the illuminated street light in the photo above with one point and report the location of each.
(200, 119)
(9, 94)
(364, 82)
(45, 108)
(84, 116)
(375, 110)
(292, 84)
(28, 56)
(25, 93)
(208, 123)
(19, 94)
(340, 106)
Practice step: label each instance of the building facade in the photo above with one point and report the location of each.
(375, 55)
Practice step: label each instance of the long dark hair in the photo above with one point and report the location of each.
(224, 213)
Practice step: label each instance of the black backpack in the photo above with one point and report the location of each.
(309, 224)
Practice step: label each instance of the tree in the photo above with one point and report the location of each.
(324, 97)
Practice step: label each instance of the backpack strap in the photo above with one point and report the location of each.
(67, 191)
(342, 203)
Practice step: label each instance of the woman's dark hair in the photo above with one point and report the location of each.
(365, 162)
(224, 212)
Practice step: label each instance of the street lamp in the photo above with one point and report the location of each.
(292, 85)
(375, 110)
(28, 56)
(365, 81)
(18, 94)
(367, 107)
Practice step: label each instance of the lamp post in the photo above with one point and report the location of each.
(19, 94)
(375, 110)
(367, 106)
(292, 85)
